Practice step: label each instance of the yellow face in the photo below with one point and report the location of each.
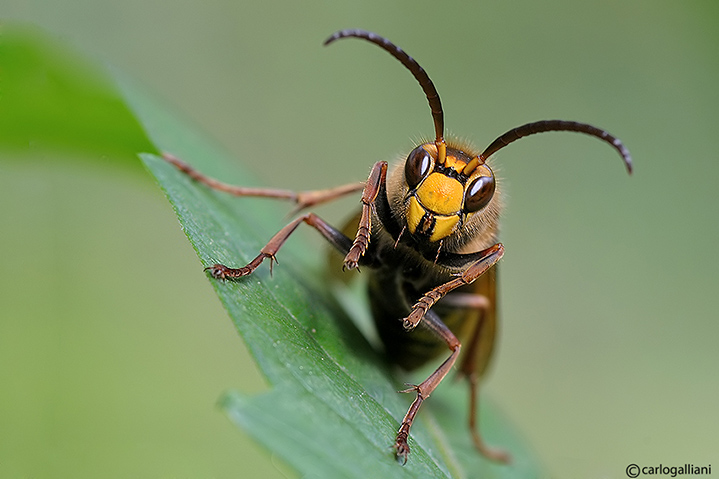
(442, 196)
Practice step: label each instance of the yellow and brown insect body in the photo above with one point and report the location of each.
(427, 233)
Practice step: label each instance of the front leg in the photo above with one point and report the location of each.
(376, 181)
(479, 263)
(302, 199)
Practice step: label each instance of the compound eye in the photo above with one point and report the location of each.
(417, 166)
(478, 194)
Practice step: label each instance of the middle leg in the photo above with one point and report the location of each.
(336, 238)
(425, 388)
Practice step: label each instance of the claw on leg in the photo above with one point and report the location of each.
(401, 449)
(220, 271)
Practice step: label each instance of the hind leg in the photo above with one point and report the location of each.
(473, 363)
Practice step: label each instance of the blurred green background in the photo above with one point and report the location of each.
(114, 349)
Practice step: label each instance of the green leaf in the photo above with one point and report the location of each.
(52, 99)
(333, 409)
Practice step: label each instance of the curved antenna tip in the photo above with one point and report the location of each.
(559, 125)
(411, 64)
(350, 32)
(330, 39)
(624, 151)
